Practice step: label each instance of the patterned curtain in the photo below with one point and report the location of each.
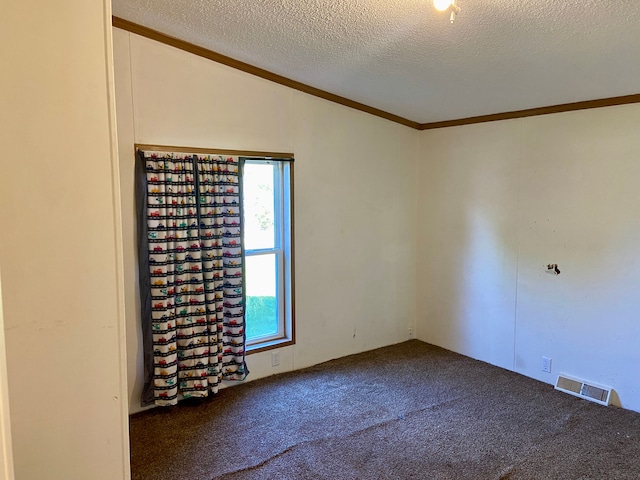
(193, 305)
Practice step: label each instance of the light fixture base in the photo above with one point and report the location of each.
(450, 6)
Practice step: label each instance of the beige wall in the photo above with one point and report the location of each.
(354, 194)
(59, 245)
(498, 202)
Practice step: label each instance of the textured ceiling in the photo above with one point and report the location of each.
(404, 57)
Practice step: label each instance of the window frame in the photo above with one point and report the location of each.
(284, 254)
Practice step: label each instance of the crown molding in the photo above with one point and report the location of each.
(259, 72)
(287, 82)
(532, 112)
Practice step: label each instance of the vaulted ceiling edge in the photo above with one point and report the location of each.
(265, 74)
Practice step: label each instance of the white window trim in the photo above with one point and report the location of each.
(283, 249)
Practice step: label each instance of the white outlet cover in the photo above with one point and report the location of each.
(275, 359)
(546, 364)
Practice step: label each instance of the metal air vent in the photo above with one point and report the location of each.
(580, 388)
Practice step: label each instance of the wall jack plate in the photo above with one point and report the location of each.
(546, 364)
(275, 359)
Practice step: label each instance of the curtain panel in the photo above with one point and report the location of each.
(191, 274)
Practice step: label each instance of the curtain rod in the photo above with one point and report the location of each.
(213, 151)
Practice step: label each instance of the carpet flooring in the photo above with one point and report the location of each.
(408, 411)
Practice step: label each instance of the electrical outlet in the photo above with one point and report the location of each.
(275, 359)
(410, 332)
(546, 364)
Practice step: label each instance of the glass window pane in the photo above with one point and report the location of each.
(262, 302)
(259, 206)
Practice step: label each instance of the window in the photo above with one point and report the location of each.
(266, 190)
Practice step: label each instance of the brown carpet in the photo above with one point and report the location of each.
(411, 410)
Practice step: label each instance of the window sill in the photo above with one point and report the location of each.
(270, 345)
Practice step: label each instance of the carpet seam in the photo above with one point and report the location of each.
(355, 432)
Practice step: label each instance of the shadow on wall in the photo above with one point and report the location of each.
(469, 273)
(496, 208)
(579, 210)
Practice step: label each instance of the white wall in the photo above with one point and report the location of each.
(498, 202)
(59, 242)
(354, 194)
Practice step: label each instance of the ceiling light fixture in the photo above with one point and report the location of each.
(447, 5)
